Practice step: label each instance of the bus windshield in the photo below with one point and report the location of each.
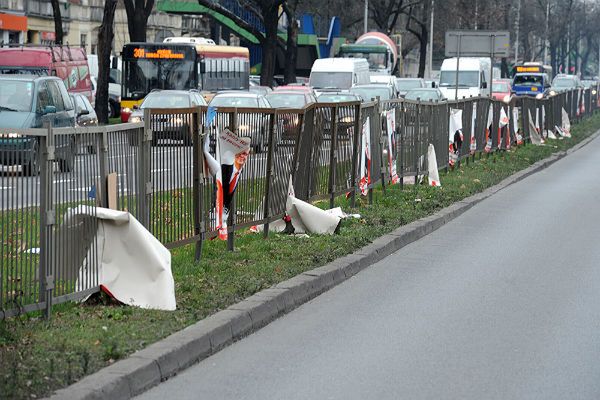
(144, 75)
(528, 80)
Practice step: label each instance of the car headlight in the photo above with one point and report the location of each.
(506, 99)
(177, 121)
(539, 96)
(347, 120)
(135, 119)
(10, 135)
(594, 91)
(552, 93)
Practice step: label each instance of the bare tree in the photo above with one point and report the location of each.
(138, 12)
(266, 11)
(417, 24)
(105, 38)
(291, 48)
(58, 30)
(385, 13)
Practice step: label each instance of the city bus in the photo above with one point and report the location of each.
(180, 66)
(531, 79)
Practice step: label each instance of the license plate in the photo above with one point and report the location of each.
(533, 89)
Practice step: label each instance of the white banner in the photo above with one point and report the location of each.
(365, 158)
(391, 133)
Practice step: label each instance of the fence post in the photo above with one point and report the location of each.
(269, 172)
(382, 142)
(233, 125)
(332, 155)
(417, 140)
(47, 218)
(102, 196)
(357, 133)
(400, 154)
(198, 163)
(144, 185)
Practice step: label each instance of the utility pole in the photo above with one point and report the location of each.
(517, 31)
(546, 34)
(476, 13)
(569, 48)
(431, 40)
(366, 16)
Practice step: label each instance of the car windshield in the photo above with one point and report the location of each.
(465, 79)
(563, 83)
(15, 95)
(234, 101)
(528, 80)
(335, 98)
(407, 84)
(337, 80)
(368, 93)
(500, 87)
(424, 95)
(166, 100)
(286, 100)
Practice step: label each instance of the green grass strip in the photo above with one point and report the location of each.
(38, 356)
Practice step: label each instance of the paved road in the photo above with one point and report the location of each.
(502, 303)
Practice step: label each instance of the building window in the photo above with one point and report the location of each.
(83, 41)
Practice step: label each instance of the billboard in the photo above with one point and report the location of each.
(477, 43)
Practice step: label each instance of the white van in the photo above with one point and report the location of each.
(473, 77)
(339, 73)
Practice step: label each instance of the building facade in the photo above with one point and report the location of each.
(32, 22)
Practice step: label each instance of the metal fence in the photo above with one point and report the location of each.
(53, 179)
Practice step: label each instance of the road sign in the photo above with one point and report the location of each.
(477, 43)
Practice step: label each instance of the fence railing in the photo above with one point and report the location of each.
(156, 171)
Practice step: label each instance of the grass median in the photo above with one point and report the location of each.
(38, 356)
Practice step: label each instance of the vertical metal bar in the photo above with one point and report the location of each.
(269, 173)
(233, 122)
(46, 157)
(417, 140)
(332, 155)
(196, 184)
(355, 150)
(144, 154)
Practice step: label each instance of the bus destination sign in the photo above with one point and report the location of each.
(158, 53)
(529, 68)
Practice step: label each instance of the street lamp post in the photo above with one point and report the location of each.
(366, 16)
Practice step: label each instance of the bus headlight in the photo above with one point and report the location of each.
(506, 99)
(539, 96)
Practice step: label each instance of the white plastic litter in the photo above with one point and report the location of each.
(134, 267)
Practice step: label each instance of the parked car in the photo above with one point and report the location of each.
(253, 126)
(563, 82)
(85, 115)
(171, 127)
(502, 90)
(290, 98)
(28, 101)
(262, 90)
(114, 97)
(403, 85)
(337, 97)
(67, 63)
(373, 91)
(425, 94)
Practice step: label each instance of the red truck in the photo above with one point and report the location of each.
(67, 63)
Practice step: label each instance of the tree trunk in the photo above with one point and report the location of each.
(105, 38)
(291, 50)
(137, 18)
(137, 27)
(269, 45)
(422, 52)
(58, 30)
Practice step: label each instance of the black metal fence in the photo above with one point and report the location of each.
(54, 179)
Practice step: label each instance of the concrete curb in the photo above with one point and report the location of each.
(164, 359)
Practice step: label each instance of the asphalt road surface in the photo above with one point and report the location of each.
(501, 303)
